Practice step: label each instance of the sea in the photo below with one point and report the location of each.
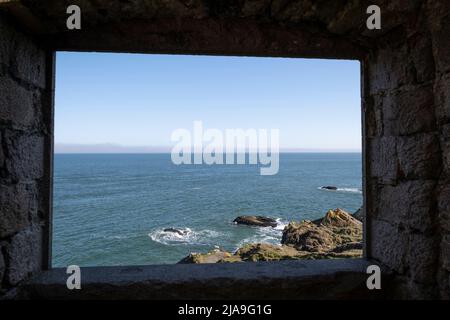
(112, 209)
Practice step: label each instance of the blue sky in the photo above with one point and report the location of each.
(138, 100)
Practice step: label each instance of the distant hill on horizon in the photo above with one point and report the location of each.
(117, 148)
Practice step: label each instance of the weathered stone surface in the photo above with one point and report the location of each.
(409, 111)
(18, 104)
(442, 98)
(26, 155)
(29, 63)
(383, 159)
(373, 116)
(441, 43)
(443, 280)
(342, 278)
(445, 244)
(422, 258)
(387, 244)
(6, 32)
(24, 255)
(445, 148)
(388, 70)
(403, 112)
(421, 57)
(18, 204)
(409, 204)
(2, 155)
(419, 156)
(444, 207)
(2, 267)
(20, 53)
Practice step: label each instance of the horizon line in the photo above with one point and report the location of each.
(108, 148)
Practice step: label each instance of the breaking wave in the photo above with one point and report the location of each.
(186, 236)
(346, 190)
(266, 234)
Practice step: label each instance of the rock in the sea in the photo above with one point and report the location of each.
(329, 187)
(339, 218)
(358, 214)
(180, 232)
(258, 221)
(337, 235)
(267, 252)
(213, 256)
(335, 229)
(307, 236)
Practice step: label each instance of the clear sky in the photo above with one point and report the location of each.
(137, 100)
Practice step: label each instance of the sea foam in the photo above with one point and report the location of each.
(188, 236)
(346, 190)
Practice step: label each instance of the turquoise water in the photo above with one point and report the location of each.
(111, 209)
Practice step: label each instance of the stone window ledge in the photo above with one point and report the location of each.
(311, 279)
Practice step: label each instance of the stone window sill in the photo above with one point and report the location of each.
(307, 279)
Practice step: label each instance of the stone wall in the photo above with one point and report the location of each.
(407, 103)
(24, 142)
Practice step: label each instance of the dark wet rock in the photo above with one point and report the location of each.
(358, 214)
(329, 187)
(181, 232)
(258, 221)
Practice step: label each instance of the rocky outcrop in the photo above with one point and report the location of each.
(266, 252)
(337, 235)
(336, 229)
(358, 214)
(213, 256)
(258, 221)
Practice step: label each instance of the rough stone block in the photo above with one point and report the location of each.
(445, 251)
(5, 41)
(445, 148)
(24, 58)
(441, 44)
(26, 156)
(388, 69)
(2, 155)
(419, 156)
(28, 61)
(444, 207)
(373, 116)
(421, 55)
(423, 257)
(383, 159)
(18, 203)
(24, 254)
(409, 204)
(409, 111)
(442, 98)
(2, 267)
(18, 105)
(389, 245)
